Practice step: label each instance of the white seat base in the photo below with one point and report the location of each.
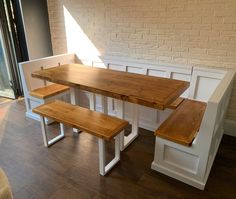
(190, 181)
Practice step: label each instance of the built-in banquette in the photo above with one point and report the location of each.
(190, 164)
(36, 91)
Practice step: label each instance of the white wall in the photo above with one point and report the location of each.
(182, 32)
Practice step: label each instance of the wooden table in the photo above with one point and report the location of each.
(154, 92)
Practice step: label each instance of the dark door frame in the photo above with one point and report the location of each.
(13, 30)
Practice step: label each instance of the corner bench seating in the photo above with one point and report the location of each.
(189, 164)
(98, 124)
(184, 123)
(36, 91)
(181, 152)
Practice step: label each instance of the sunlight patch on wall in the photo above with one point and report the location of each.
(77, 41)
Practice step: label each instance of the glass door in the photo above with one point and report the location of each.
(12, 48)
(5, 77)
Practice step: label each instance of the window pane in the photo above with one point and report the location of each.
(5, 88)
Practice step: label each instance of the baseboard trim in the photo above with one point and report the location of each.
(230, 127)
(185, 179)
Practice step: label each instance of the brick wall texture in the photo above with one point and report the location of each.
(188, 32)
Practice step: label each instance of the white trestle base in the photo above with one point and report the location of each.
(74, 100)
(102, 165)
(126, 140)
(47, 142)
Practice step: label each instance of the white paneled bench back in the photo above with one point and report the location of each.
(29, 84)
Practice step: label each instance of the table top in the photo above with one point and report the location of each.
(154, 92)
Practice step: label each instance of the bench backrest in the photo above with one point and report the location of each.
(211, 129)
(117, 67)
(204, 81)
(99, 64)
(172, 72)
(26, 68)
(217, 106)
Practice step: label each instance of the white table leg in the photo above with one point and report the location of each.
(104, 104)
(74, 100)
(92, 101)
(126, 140)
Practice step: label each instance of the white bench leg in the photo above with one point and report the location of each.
(102, 165)
(45, 137)
(126, 140)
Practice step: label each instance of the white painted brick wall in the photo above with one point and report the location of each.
(190, 32)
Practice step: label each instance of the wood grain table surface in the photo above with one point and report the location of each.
(154, 92)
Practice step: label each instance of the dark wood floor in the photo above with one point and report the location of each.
(69, 169)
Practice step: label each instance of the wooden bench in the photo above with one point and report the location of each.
(184, 123)
(98, 124)
(36, 91)
(187, 143)
(49, 91)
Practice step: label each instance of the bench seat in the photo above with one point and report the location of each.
(184, 123)
(49, 91)
(95, 123)
(103, 126)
